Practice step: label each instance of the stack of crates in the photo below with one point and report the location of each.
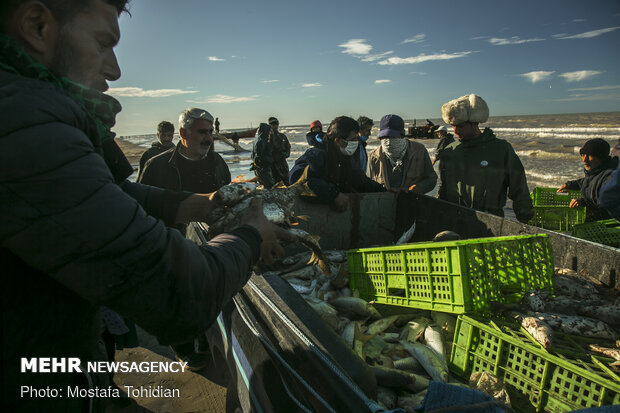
(465, 277)
(606, 232)
(552, 211)
(561, 379)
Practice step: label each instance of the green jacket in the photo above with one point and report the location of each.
(480, 173)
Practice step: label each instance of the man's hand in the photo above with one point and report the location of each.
(196, 207)
(562, 188)
(269, 232)
(576, 203)
(341, 203)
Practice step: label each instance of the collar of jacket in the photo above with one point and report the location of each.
(158, 144)
(609, 163)
(172, 161)
(101, 108)
(487, 135)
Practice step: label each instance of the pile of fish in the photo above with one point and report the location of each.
(405, 348)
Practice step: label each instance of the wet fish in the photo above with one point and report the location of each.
(382, 324)
(434, 340)
(414, 329)
(327, 313)
(312, 243)
(355, 308)
(410, 364)
(399, 379)
(407, 235)
(539, 330)
(446, 236)
(431, 362)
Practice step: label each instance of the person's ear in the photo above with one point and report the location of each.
(36, 29)
(182, 132)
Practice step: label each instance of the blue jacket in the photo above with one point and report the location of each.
(330, 172)
(609, 196)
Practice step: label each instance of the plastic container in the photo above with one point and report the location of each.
(551, 209)
(565, 378)
(605, 232)
(453, 276)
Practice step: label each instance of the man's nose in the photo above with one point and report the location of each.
(111, 69)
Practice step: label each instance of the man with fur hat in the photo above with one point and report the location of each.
(398, 163)
(598, 166)
(479, 170)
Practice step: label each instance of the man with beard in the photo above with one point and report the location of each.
(479, 170)
(165, 134)
(400, 164)
(332, 173)
(75, 234)
(597, 167)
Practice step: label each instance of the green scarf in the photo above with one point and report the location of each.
(101, 108)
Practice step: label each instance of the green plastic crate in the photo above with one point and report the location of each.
(565, 378)
(453, 276)
(605, 232)
(558, 218)
(551, 197)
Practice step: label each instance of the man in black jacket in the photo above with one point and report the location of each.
(165, 134)
(598, 166)
(74, 233)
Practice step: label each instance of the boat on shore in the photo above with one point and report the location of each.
(240, 134)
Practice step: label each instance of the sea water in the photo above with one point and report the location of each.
(548, 145)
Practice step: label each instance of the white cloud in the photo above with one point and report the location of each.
(270, 81)
(496, 41)
(479, 38)
(378, 82)
(215, 59)
(316, 84)
(537, 75)
(423, 58)
(375, 57)
(594, 88)
(579, 20)
(579, 75)
(586, 35)
(153, 93)
(574, 98)
(225, 99)
(356, 47)
(418, 73)
(418, 38)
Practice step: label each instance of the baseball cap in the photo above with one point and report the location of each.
(392, 126)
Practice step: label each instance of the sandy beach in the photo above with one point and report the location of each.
(132, 151)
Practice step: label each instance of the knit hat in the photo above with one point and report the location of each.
(316, 124)
(470, 108)
(595, 147)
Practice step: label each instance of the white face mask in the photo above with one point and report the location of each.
(394, 148)
(350, 148)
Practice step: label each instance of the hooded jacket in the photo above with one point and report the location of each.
(610, 194)
(73, 240)
(330, 172)
(590, 186)
(479, 173)
(156, 148)
(262, 155)
(417, 168)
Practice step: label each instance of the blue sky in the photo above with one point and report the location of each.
(303, 60)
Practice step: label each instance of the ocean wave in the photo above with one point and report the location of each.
(536, 153)
(559, 130)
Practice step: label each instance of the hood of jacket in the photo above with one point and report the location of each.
(311, 137)
(263, 131)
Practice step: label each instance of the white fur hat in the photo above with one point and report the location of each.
(468, 108)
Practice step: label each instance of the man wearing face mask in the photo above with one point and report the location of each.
(400, 164)
(332, 172)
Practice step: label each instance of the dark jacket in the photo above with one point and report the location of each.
(330, 172)
(480, 173)
(72, 240)
(590, 186)
(156, 148)
(171, 171)
(262, 155)
(360, 156)
(610, 194)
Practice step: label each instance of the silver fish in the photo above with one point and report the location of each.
(406, 235)
(355, 308)
(434, 340)
(327, 313)
(400, 379)
(410, 364)
(431, 362)
(381, 325)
